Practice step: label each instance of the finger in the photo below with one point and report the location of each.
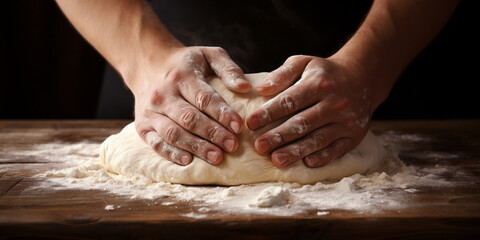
(313, 142)
(295, 98)
(166, 150)
(175, 135)
(194, 121)
(224, 67)
(328, 154)
(284, 104)
(206, 99)
(282, 77)
(294, 128)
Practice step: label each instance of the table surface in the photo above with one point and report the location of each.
(440, 213)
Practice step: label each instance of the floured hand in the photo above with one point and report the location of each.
(178, 114)
(329, 106)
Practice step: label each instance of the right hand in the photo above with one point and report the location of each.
(179, 114)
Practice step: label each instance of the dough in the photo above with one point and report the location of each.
(126, 153)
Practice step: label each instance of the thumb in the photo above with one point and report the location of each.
(224, 67)
(284, 76)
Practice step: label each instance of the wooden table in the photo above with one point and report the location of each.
(435, 213)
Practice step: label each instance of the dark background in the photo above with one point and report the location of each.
(48, 71)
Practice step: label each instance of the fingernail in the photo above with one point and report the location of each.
(212, 156)
(265, 84)
(229, 144)
(263, 146)
(253, 123)
(235, 126)
(260, 88)
(240, 80)
(242, 85)
(184, 160)
(311, 161)
(281, 159)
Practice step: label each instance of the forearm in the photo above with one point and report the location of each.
(123, 31)
(393, 33)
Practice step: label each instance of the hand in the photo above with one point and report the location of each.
(330, 108)
(178, 114)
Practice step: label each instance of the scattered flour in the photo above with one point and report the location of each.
(271, 197)
(371, 193)
(322, 213)
(109, 208)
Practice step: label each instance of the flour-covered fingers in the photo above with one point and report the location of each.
(166, 150)
(284, 76)
(176, 136)
(284, 104)
(194, 121)
(201, 95)
(328, 154)
(315, 141)
(295, 127)
(224, 67)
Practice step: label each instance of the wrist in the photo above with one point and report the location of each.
(141, 40)
(363, 74)
(151, 54)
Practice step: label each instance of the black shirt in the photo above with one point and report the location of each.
(258, 35)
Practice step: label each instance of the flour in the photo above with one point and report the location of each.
(371, 193)
(109, 208)
(271, 197)
(322, 213)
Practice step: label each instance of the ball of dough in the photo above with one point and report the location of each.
(126, 153)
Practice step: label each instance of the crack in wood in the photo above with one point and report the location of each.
(11, 187)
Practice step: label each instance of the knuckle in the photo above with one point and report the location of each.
(156, 98)
(224, 113)
(189, 119)
(301, 125)
(288, 103)
(319, 112)
(296, 150)
(266, 116)
(276, 138)
(173, 77)
(164, 149)
(341, 105)
(219, 50)
(203, 99)
(174, 154)
(141, 129)
(172, 134)
(157, 144)
(314, 72)
(231, 68)
(195, 147)
(200, 147)
(285, 69)
(213, 132)
(324, 84)
(195, 61)
(193, 54)
(350, 119)
(295, 58)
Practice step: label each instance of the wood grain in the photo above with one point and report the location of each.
(440, 213)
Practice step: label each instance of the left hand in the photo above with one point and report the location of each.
(330, 108)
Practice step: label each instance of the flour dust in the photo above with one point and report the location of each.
(371, 193)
